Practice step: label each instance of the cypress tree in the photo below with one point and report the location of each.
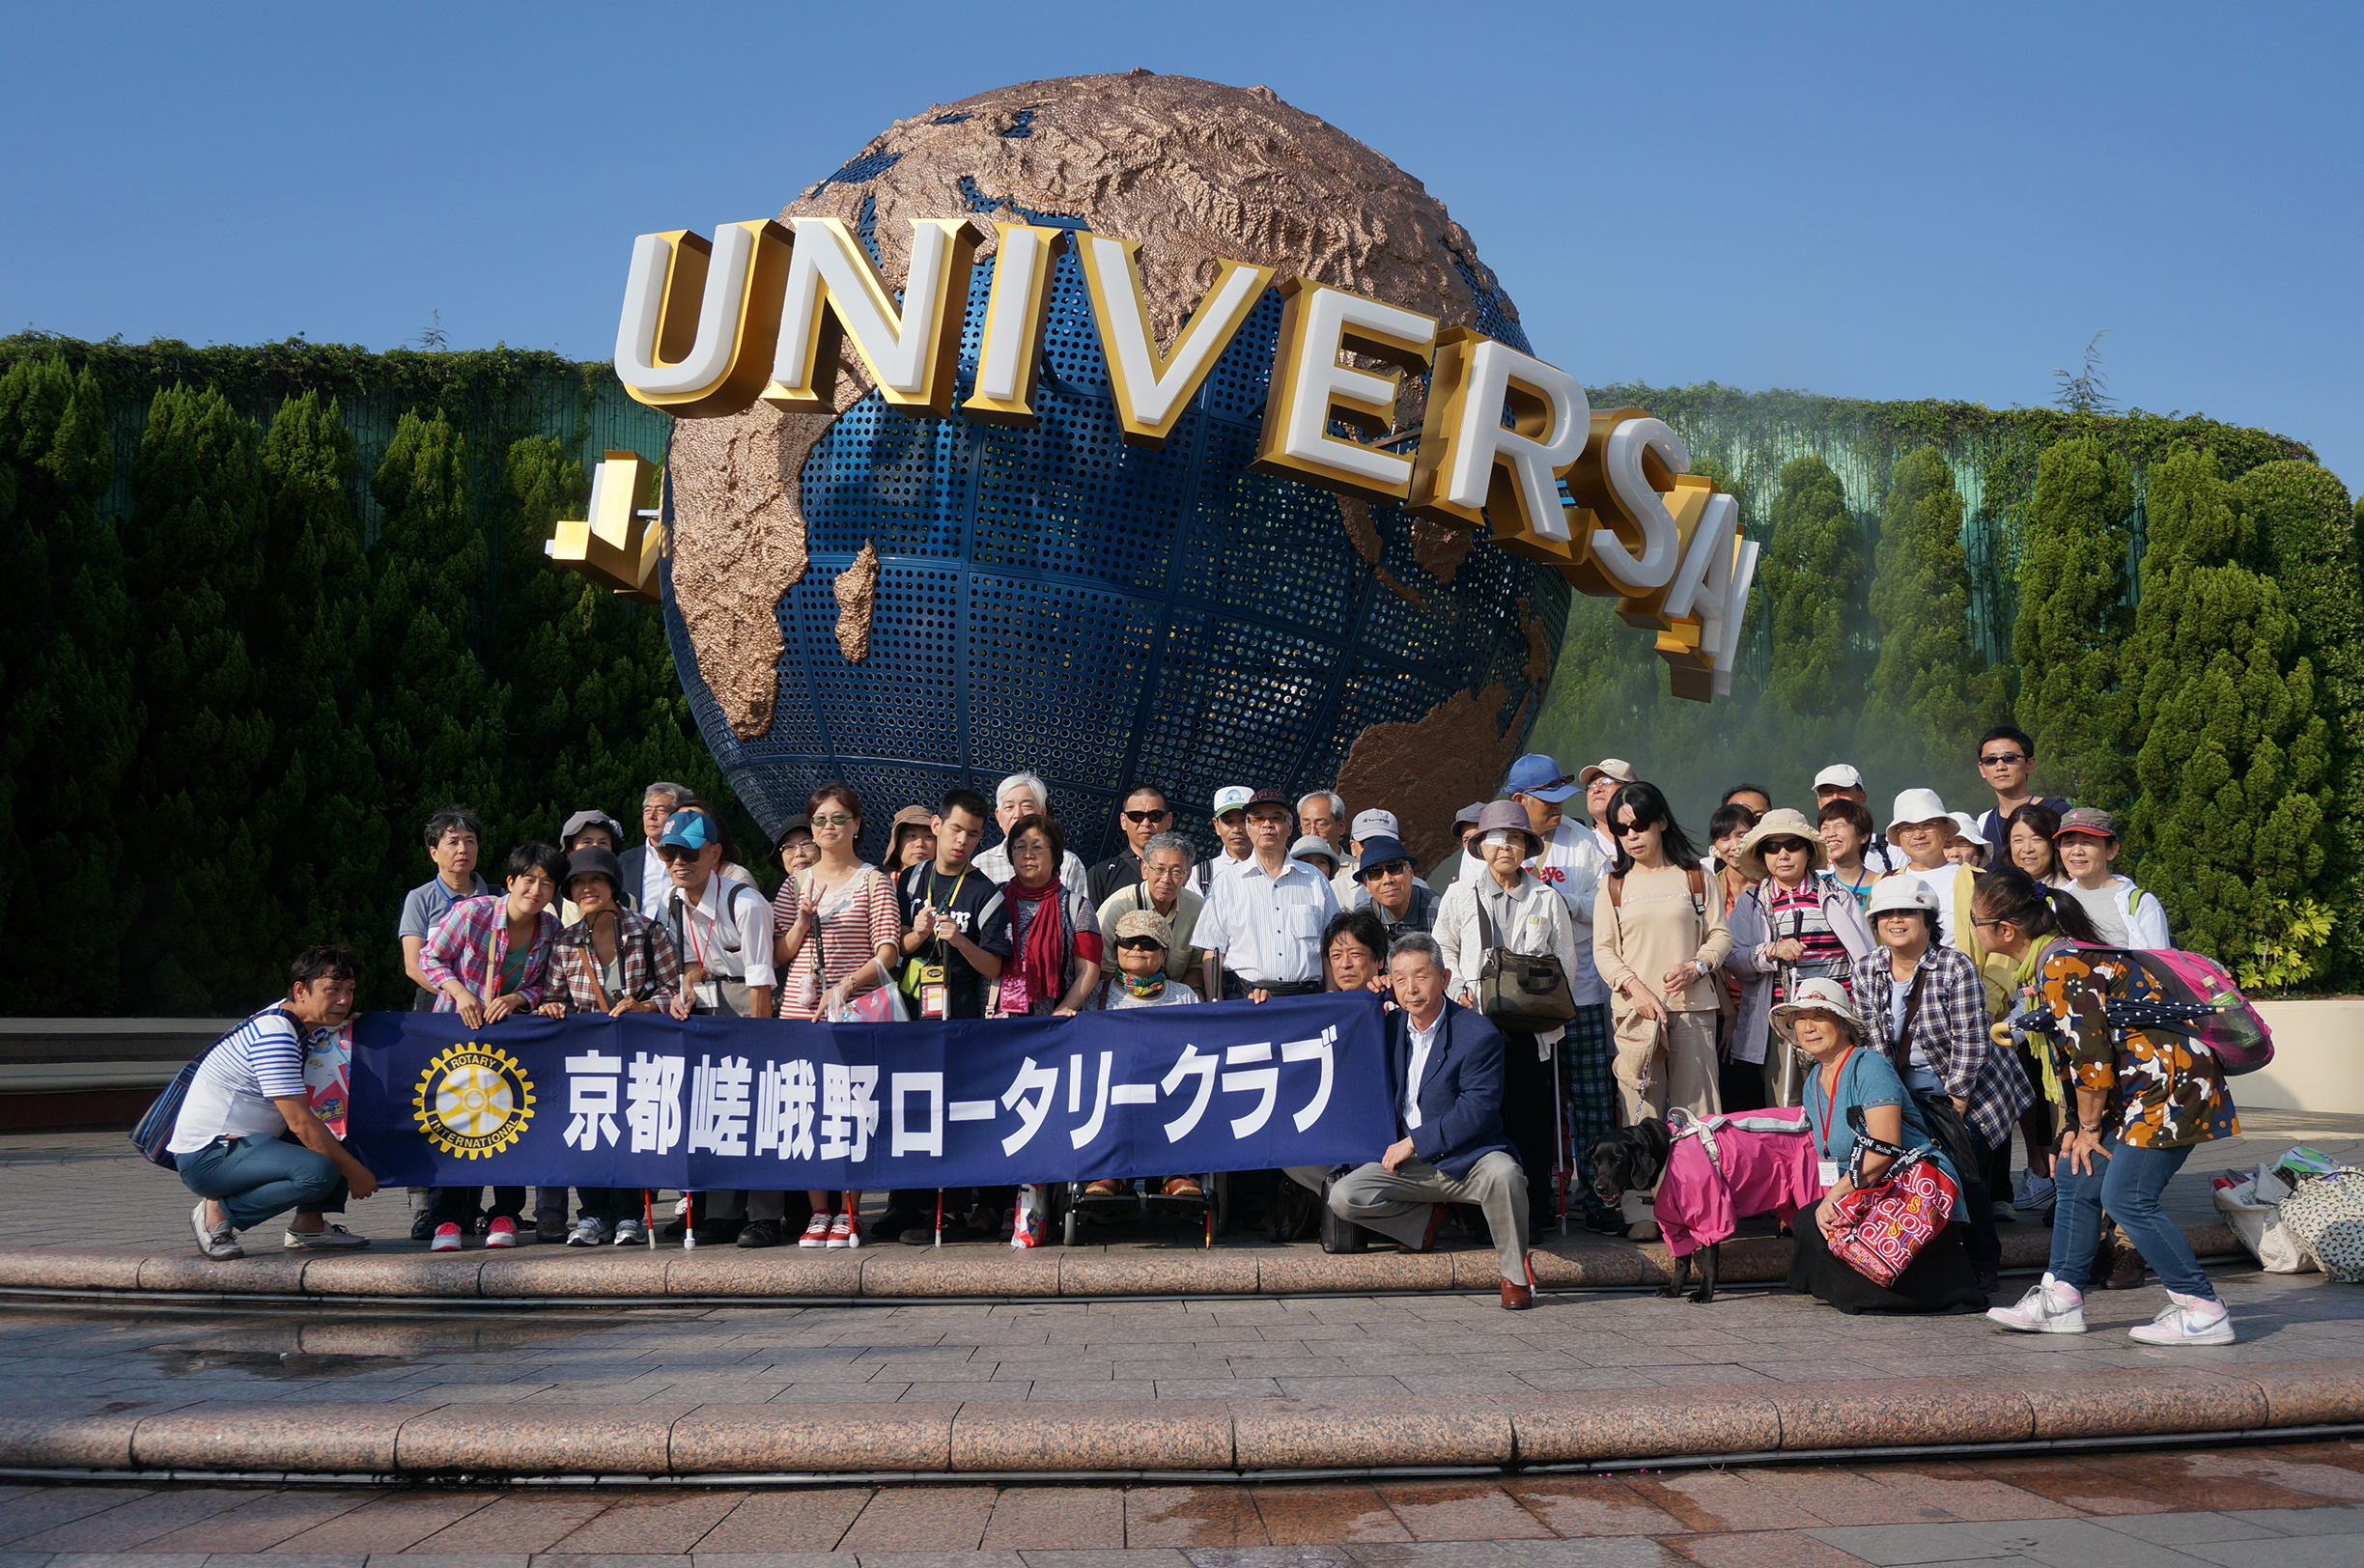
(2072, 616)
(438, 734)
(197, 510)
(339, 866)
(1811, 572)
(66, 695)
(1930, 692)
(2233, 755)
(2306, 536)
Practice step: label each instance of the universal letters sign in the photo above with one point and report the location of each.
(712, 328)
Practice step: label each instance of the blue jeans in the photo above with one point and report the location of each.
(2127, 1183)
(255, 1178)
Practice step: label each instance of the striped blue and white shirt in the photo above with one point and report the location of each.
(231, 1096)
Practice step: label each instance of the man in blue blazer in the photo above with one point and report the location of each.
(1444, 1072)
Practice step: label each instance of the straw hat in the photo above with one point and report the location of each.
(1779, 823)
(1818, 996)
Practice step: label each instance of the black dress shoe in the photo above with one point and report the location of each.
(760, 1233)
(895, 1221)
(674, 1229)
(719, 1232)
(550, 1229)
(422, 1224)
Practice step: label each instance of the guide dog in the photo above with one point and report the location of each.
(1748, 1163)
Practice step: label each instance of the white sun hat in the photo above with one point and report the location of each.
(1917, 805)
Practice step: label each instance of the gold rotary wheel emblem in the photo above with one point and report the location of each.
(474, 1101)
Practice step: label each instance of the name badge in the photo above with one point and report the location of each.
(1826, 1171)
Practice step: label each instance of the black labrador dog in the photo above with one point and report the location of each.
(1632, 1159)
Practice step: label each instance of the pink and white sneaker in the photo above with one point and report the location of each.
(2189, 1320)
(2049, 1307)
(845, 1231)
(817, 1233)
(446, 1238)
(502, 1232)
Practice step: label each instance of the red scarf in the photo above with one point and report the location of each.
(1042, 961)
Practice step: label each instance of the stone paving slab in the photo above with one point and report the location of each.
(2158, 1508)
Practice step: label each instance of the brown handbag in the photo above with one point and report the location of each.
(1521, 993)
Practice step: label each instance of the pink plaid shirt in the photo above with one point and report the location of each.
(470, 944)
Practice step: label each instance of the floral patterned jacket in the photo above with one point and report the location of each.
(2163, 1095)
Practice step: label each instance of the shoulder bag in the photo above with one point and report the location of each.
(1522, 993)
(1878, 1229)
(1946, 1127)
(154, 1134)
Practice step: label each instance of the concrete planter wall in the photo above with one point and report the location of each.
(2318, 1058)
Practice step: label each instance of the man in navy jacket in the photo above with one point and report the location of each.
(1444, 1072)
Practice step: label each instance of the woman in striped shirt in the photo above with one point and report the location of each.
(1795, 924)
(842, 942)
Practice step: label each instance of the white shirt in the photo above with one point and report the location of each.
(1572, 866)
(655, 882)
(1207, 873)
(994, 864)
(1940, 882)
(728, 931)
(231, 1097)
(1268, 928)
(1423, 1040)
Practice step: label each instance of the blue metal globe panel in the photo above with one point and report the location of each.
(1056, 600)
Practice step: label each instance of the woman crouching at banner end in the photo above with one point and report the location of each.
(1144, 939)
(840, 948)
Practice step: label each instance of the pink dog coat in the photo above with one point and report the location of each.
(1721, 1168)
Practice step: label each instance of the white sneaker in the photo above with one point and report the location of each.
(587, 1232)
(331, 1237)
(630, 1233)
(2049, 1307)
(217, 1242)
(2189, 1320)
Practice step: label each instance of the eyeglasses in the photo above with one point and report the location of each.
(2002, 759)
(1146, 816)
(835, 818)
(1142, 944)
(1976, 921)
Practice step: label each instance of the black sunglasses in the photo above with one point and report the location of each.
(1146, 816)
(2002, 759)
(1141, 944)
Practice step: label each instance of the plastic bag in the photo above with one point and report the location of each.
(1033, 1216)
(2253, 1207)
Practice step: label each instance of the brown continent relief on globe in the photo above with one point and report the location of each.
(1195, 171)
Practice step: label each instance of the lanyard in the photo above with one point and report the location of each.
(1830, 1099)
(943, 909)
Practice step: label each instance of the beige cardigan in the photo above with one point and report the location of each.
(1655, 928)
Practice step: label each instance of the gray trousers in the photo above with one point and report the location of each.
(771, 1206)
(1397, 1203)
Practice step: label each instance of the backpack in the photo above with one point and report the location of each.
(2197, 1000)
(153, 1136)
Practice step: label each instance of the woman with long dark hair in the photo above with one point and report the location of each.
(1658, 940)
(2140, 1100)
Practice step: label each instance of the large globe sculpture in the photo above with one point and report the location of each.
(908, 604)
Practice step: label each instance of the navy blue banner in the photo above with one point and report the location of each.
(768, 1105)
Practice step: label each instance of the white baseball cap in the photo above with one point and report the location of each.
(1374, 823)
(1616, 767)
(1839, 775)
(1232, 797)
(1966, 829)
(1900, 891)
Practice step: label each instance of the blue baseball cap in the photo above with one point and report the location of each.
(1379, 851)
(1539, 775)
(690, 830)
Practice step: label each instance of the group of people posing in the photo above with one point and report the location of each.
(1834, 962)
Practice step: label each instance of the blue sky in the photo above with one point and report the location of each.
(1868, 201)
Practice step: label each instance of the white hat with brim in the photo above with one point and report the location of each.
(1966, 829)
(1616, 767)
(1900, 891)
(1839, 775)
(1818, 996)
(1313, 845)
(1916, 806)
(1779, 823)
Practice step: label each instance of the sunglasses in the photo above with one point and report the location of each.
(835, 818)
(1146, 816)
(2002, 759)
(1789, 846)
(670, 853)
(1142, 944)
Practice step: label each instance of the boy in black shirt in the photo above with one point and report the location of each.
(956, 929)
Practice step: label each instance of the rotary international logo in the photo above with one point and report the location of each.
(474, 1101)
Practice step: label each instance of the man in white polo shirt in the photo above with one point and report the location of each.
(1262, 925)
(226, 1143)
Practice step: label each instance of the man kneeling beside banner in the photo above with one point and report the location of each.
(713, 1103)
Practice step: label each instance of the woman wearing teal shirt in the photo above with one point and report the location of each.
(1849, 1075)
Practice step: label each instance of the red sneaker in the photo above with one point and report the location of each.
(816, 1234)
(502, 1232)
(446, 1238)
(845, 1231)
